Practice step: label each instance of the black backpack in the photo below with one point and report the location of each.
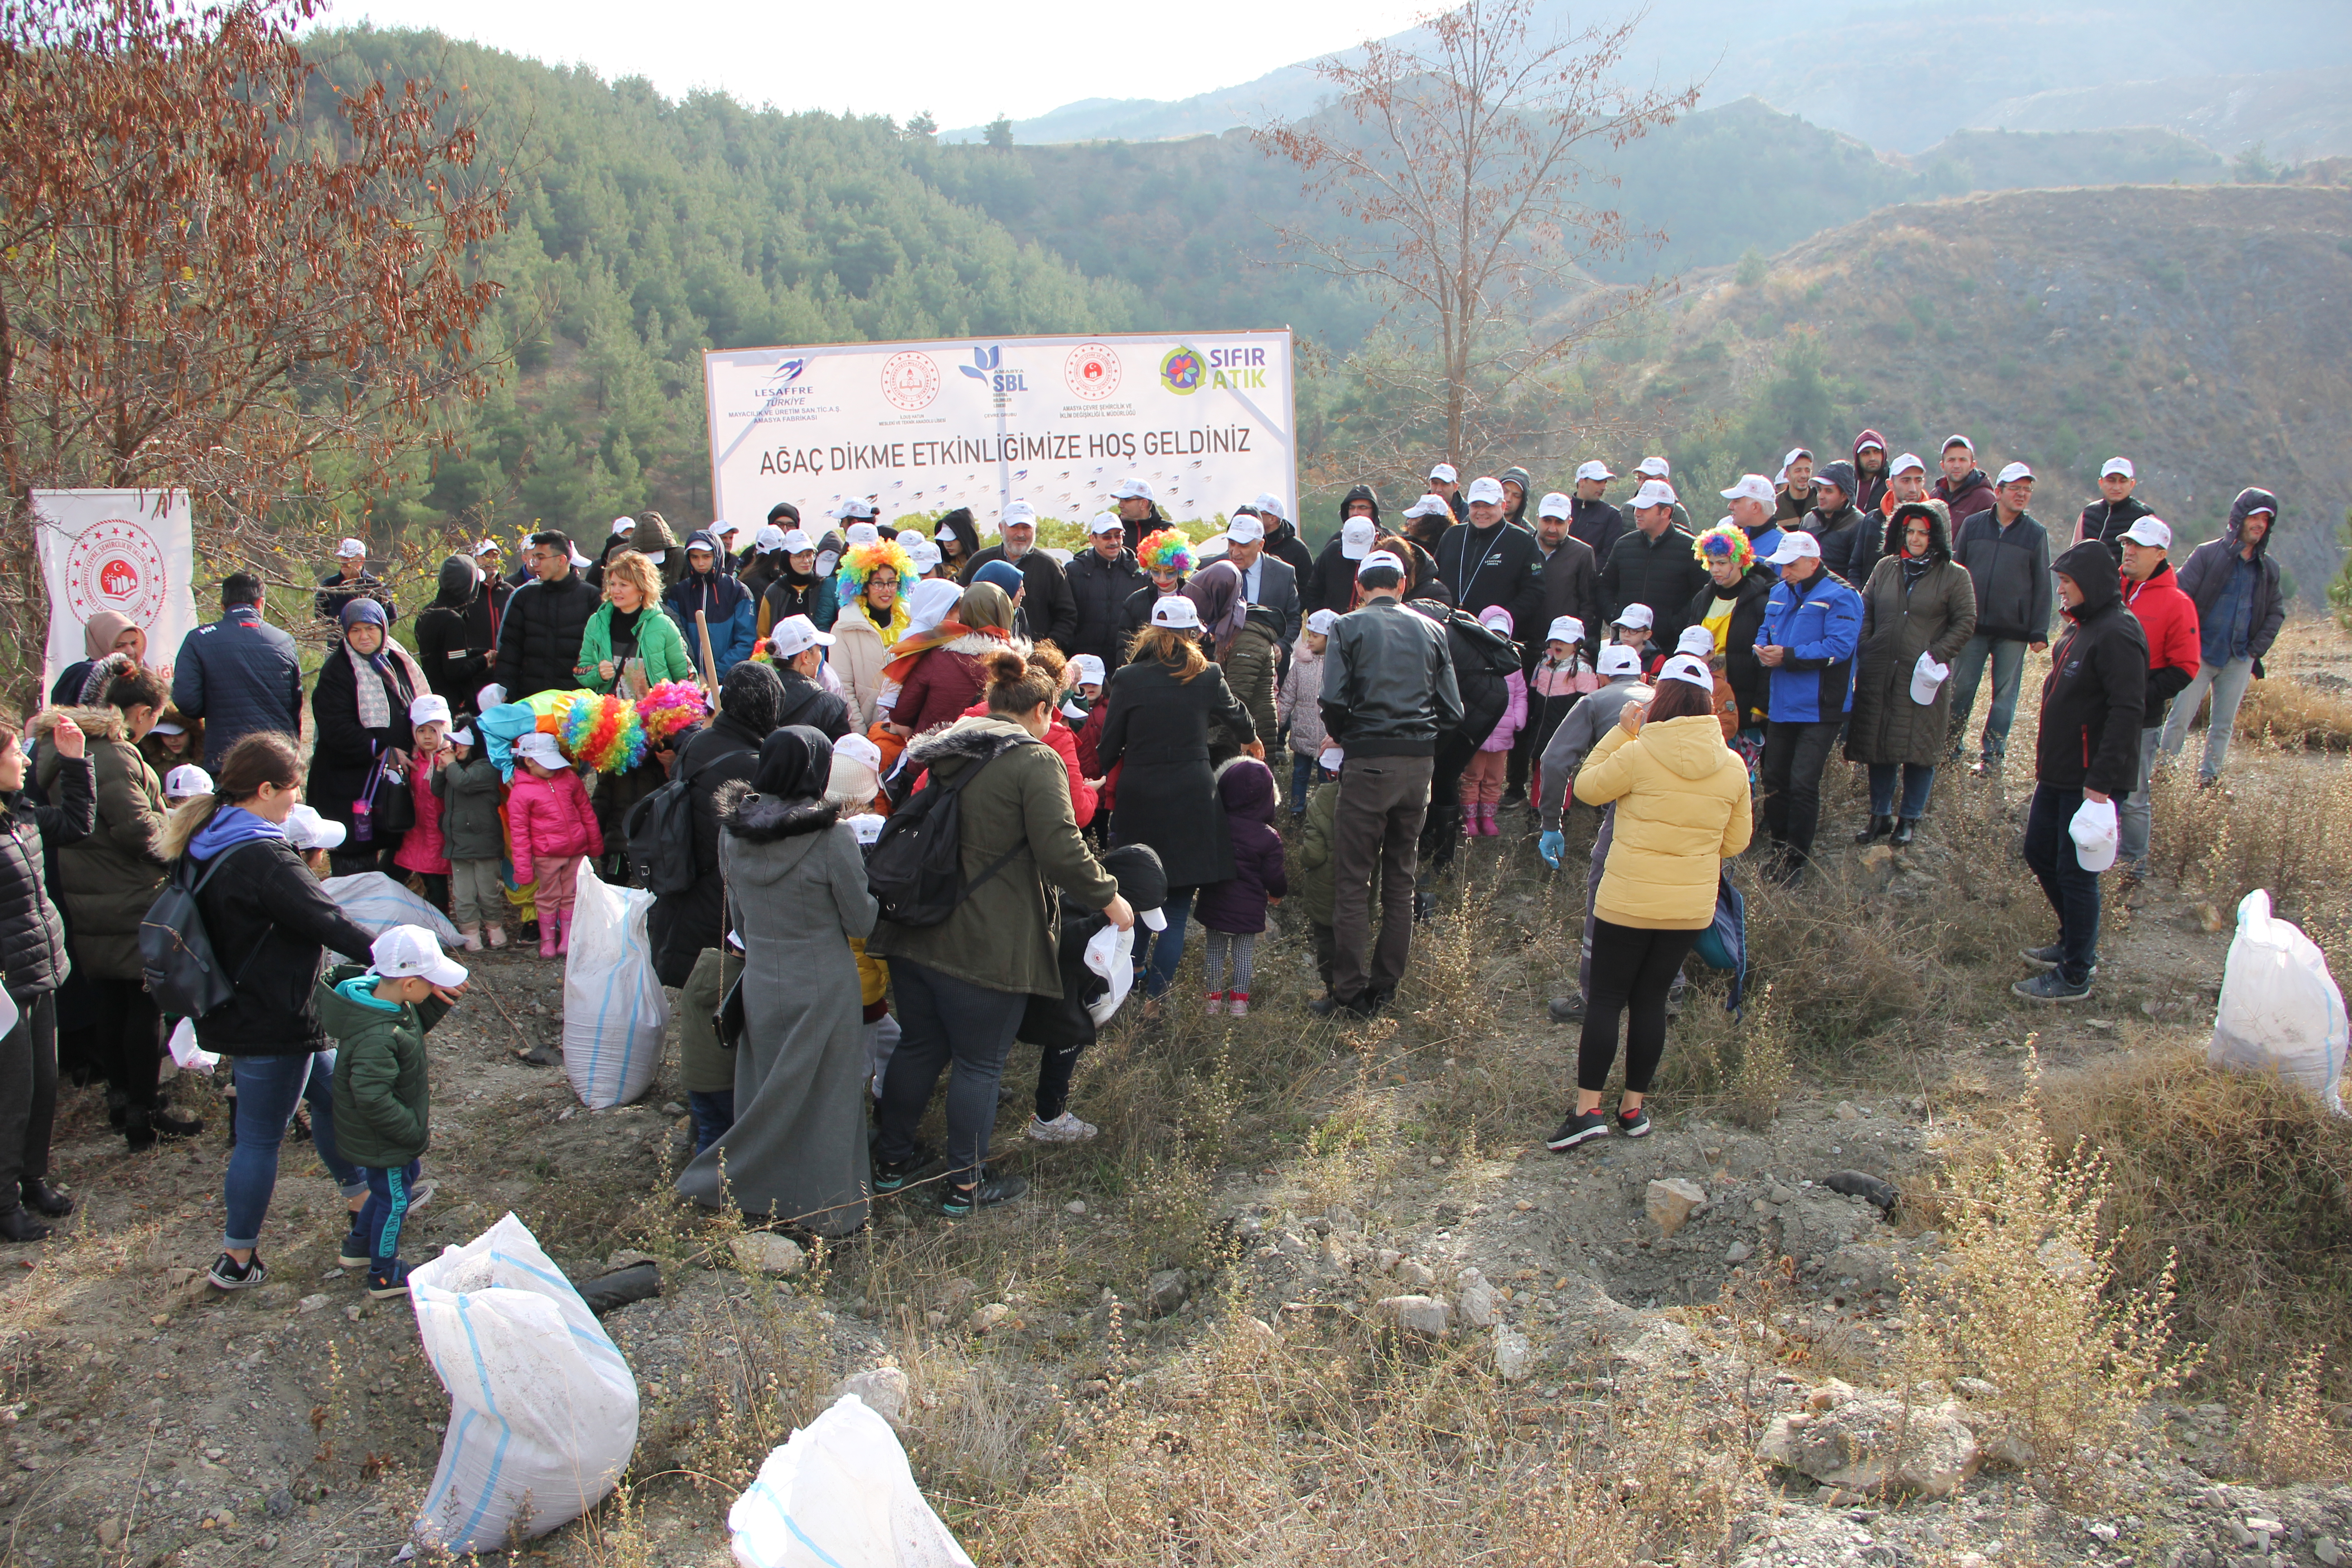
(176, 951)
(660, 834)
(915, 869)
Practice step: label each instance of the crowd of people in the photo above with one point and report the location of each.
(937, 797)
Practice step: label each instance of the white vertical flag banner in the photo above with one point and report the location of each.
(918, 428)
(132, 551)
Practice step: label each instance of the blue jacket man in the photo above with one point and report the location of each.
(1812, 624)
(240, 675)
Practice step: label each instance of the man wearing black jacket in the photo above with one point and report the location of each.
(1101, 580)
(2088, 751)
(1571, 586)
(1590, 519)
(538, 640)
(1139, 513)
(1486, 561)
(2006, 553)
(2108, 519)
(1852, 540)
(1053, 613)
(1653, 564)
(1331, 582)
(1282, 540)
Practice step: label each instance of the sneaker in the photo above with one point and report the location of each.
(386, 1284)
(1064, 1128)
(225, 1274)
(355, 1253)
(1237, 1004)
(1216, 1003)
(962, 1203)
(420, 1194)
(1567, 1009)
(889, 1175)
(1633, 1123)
(2051, 986)
(1581, 1127)
(2042, 957)
(1363, 1006)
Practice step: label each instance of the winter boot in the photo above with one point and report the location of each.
(547, 934)
(564, 930)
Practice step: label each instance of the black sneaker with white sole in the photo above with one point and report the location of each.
(1632, 1123)
(229, 1274)
(890, 1176)
(1581, 1127)
(962, 1203)
(2042, 957)
(2051, 986)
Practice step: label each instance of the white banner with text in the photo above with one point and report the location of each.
(132, 551)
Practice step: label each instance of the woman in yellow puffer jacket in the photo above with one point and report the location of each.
(1682, 805)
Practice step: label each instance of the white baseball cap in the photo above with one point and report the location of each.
(1089, 668)
(1177, 613)
(851, 508)
(1131, 489)
(624, 525)
(2152, 531)
(1355, 537)
(862, 533)
(1958, 440)
(1244, 530)
(167, 728)
(1567, 629)
(1431, 505)
(794, 636)
(540, 747)
(349, 549)
(1595, 470)
(1322, 621)
(1697, 641)
(1554, 504)
(486, 547)
(1638, 616)
(431, 708)
(461, 737)
(796, 542)
(1016, 514)
(1684, 667)
(411, 951)
(1904, 464)
(1487, 487)
(1654, 492)
(306, 830)
(1869, 444)
(1267, 504)
(1751, 487)
(2118, 465)
(1795, 453)
(1795, 545)
(1379, 558)
(769, 538)
(723, 529)
(923, 555)
(1105, 522)
(581, 563)
(1618, 659)
(2014, 472)
(1444, 474)
(187, 780)
(655, 556)
(1653, 468)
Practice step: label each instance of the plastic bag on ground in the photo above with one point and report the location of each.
(2281, 1011)
(542, 1408)
(613, 1007)
(839, 1493)
(376, 903)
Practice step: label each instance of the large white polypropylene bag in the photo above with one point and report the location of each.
(542, 1409)
(376, 903)
(838, 1494)
(613, 1007)
(2281, 1011)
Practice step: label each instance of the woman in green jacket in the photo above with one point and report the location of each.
(631, 624)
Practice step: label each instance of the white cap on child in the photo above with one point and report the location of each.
(185, 782)
(404, 952)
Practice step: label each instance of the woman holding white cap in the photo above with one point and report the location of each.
(1681, 796)
(359, 763)
(1918, 610)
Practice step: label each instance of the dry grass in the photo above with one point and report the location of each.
(2286, 1436)
(2297, 715)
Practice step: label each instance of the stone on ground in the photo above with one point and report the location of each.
(1671, 1203)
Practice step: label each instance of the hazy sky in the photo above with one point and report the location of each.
(964, 63)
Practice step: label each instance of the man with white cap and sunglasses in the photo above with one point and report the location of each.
(351, 580)
(1101, 580)
(1592, 519)
(2108, 517)
(1138, 511)
(1389, 694)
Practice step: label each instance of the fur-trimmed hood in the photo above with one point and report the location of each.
(763, 819)
(97, 723)
(1939, 528)
(972, 738)
(979, 645)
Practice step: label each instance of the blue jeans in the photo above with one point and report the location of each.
(268, 1088)
(1303, 773)
(2132, 811)
(2007, 656)
(1158, 969)
(380, 1217)
(2228, 683)
(2072, 891)
(1917, 781)
(950, 1025)
(714, 1113)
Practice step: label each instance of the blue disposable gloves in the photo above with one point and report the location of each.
(1551, 846)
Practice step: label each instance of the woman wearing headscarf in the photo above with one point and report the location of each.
(942, 675)
(1919, 600)
(1245, 640)
(361, 709)
(799, 589)
(1163, 714)
(104, 633)
(458, 634)
(750, 705)
(796, 894)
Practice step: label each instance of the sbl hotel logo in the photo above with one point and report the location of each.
(987, 366)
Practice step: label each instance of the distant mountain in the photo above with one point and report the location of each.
(1900, 74)
(2291, 115)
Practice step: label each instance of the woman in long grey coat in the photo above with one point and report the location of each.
(796, 894)
(1919, 600)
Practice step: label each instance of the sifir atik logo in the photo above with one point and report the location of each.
(988, 366)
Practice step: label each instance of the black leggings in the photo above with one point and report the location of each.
(1631, 967)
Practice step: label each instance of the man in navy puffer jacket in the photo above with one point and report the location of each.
(240, 675)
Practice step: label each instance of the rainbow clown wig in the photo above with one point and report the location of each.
(606, 732)
(1724, 541)
(860, 560)
(670, 706)
(1166, 551)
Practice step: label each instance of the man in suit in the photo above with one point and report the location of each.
(1266, 580)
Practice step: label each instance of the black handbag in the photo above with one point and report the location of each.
(391, 808)
(729, 1020)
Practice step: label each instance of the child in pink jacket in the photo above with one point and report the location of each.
(1482, 781)
(554, 829)
(421, 848)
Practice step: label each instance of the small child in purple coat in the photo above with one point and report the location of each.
(1233, 911)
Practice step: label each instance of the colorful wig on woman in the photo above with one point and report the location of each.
(1166, 551)
(671, 705)
(1724, 541)
(604, 733)
(858, 564)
